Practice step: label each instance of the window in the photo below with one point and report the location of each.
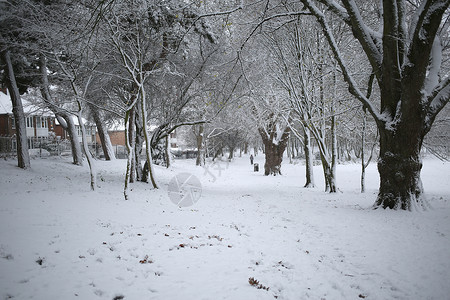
(30, 122)
(44, 123)
(13, 123)
(38, 122)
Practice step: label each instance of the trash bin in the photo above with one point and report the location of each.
(255, 168)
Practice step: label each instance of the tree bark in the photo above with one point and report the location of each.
(399, 166)
(77, 154)
(102, 131)
(23, 157)
(406, 64)
(130, 136)
(130, 149)
(135, 118)
(274, 151)
(64, 118)
(167, 151)
(199, 140)
(308, 159)
(89, 158)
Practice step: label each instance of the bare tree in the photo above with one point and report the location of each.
(23, 157)
(406, 58)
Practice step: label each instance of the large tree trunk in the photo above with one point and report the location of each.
(407, 64)
(102, 131)
(23, 157)
(399, 166)
(308, 159)
(274, 151)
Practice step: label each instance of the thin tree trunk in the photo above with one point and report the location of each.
(231, 154)
(102, 131)
(167, 151)
(363, 163)
(129, 155)
(308, 159)
(23, 157)
(199, 139)
(288, 148)
(89, 158)
(75, 144)
(139, 140)
(65, 119)
(149, 170)
(135, 162)
(333, 133)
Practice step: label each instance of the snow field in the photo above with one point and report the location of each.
(59, 240)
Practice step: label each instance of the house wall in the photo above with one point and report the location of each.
(5, 126)
(117, 137)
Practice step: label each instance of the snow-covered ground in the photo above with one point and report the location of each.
(59, 240)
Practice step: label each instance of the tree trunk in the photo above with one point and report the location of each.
(167, 151)
(102, 131)
(363, 163)
(199, 139)
(148, 151)
(231, 154)
(329, 176)
(135, 115)
(289, 153)
(308, 159)
(89, 158)
(75, 144)
(274, 152)
(130, 149)
(64, 119)
(399, 166)
(333, 188)
(23, 157)
(130, 136)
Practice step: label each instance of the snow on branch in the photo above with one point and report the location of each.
(336, 9)
(426, 26)
(432, 79)
(353, 88)
(364, 36)
(439, 98)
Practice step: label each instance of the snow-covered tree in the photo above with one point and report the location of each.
(405, 53)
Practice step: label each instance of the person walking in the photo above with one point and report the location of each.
(251, 159)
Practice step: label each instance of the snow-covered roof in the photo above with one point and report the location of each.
(28, 107)
(75, 121)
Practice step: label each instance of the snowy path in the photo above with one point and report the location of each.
(58, 240)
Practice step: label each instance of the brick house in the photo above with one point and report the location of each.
(41, 126)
